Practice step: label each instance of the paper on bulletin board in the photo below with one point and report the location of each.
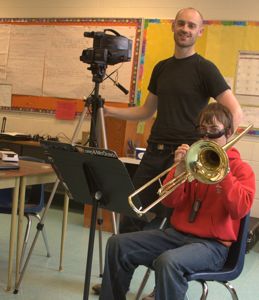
(4, 47)
(66, 110)
(5, 95)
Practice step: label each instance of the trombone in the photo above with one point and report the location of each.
(205, 161)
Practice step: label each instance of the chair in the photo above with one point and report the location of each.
(34, 203)
(231, 270)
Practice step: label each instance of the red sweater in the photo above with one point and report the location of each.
(223, 204)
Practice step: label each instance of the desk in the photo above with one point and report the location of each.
(130, 160)
(30, 173)
(131, 164)
(24, 148)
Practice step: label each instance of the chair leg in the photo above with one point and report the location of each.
(44, 235)
(143, 283)
(205, 289)
(186, 297)
(231, 290)
(26, 238)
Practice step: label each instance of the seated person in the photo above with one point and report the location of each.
(195, 241)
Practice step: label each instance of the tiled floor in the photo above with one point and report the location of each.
(42, 280)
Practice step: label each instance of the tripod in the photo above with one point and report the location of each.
(97, 138)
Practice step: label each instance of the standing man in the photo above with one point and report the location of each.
(180, 87)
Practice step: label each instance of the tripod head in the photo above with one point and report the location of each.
(98, 71)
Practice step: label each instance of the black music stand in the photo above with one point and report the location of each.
(92, 176)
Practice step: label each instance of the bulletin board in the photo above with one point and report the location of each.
(222, 42)
(40, 63)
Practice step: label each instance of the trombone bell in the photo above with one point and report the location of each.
(207, 162)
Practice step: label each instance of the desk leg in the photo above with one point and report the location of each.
(20, 228)
(12, 232)
(64, 229)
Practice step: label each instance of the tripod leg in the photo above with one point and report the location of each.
(39, 228)
(100, 129)
(79, 125)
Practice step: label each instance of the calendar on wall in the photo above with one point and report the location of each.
(247, 78)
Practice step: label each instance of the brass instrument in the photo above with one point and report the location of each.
(205, 161)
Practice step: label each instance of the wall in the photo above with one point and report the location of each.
(217, 10)
(249, 149)
(220, 9)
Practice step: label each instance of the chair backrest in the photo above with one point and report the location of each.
(234, 263)
(236, 256)
(34, 196)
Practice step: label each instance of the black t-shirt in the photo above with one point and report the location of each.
(184, 87)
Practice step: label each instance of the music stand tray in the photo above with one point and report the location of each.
(92, 176)
(87, 170)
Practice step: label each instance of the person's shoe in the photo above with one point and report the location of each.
(151, 296)
(97, 289)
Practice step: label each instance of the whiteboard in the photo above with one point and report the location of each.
(43, 58)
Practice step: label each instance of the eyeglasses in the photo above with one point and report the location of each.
(211, 134)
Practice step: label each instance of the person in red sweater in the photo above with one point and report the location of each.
(198, 239)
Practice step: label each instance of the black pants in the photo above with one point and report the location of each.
(153, 163)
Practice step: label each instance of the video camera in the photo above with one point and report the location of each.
(107, 49)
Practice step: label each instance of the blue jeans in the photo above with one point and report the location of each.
(171, 254)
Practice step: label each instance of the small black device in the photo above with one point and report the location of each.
(195, 208)
(253, 233)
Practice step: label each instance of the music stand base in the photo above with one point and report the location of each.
(90, 250)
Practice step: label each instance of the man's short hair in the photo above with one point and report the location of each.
(189, 8)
